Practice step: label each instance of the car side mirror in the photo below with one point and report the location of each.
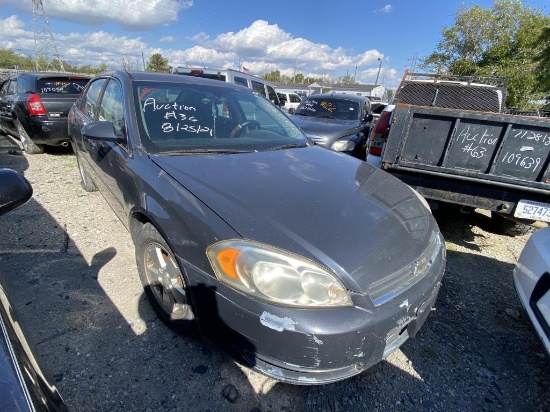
(369, 118)
(15, 190)
(103, 131)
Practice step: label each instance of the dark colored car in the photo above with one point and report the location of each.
(307, 265)
(340, 122)
(34, 107)
(23, 384)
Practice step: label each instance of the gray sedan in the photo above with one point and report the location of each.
(306, 264)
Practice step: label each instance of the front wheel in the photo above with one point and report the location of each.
(85, 180)
(28, 145)
(162, 280)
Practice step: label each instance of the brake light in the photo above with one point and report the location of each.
(375, 151)
(198, 72)
(35, 106)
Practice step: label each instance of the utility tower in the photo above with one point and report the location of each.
(46, 55)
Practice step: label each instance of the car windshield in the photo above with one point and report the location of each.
(181, 117)
(330, 108)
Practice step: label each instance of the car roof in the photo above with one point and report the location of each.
(50, 74)
(172, 78)
(338, 96)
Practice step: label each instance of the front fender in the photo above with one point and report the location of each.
(187, 224)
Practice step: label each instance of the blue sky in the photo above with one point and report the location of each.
(315, 38)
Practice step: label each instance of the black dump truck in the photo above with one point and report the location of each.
(452, 139)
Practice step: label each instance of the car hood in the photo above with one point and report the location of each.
(331, 129)
(359, 221)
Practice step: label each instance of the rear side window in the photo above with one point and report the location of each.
(89, 100)
(10, 87)
(294, 98)
(61, 85)
(272, 95)
(259, 87)
(240, 80)
(23, 85)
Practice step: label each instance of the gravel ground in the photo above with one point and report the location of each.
(68, 265)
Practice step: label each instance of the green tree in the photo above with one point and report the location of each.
(157, 63)
(273, 76)
(298, 78)
(491, 42)
(347, 79)
(9, 59)
(543, 61)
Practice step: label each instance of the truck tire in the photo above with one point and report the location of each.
(163, 281)
(28, 145)
(501, 224)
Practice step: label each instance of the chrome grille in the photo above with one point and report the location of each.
(317, 139)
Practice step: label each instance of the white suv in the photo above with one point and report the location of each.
(291, 100)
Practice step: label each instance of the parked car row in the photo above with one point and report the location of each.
(247, 231)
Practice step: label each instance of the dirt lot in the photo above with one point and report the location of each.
(68, 265)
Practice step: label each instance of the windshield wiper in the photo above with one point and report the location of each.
(288, 146)
(201, 151)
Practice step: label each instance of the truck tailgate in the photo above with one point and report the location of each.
(492, 147)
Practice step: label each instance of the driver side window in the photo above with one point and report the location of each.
(89, 100)
(111, 108)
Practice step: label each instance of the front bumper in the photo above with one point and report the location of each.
(311, 346)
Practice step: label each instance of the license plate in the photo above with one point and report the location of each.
(527, 209)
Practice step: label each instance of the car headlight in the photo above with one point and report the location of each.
(276, 276)
(343, 145)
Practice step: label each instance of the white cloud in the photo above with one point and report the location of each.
(130, 14)
(13, 26)
(261, 47)
(200, 38)
(167, 39)
(386, 9)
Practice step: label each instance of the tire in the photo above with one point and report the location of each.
(85, 180)
(28, 145)
(501, 224)
(162, 280)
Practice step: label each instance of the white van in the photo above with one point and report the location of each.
(233, 76)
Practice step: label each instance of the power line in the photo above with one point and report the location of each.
(44, 44)
(414, 61)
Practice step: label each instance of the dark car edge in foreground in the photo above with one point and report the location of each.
(24, 386)
(308, 265)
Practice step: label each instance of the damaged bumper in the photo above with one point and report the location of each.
(312, 346)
